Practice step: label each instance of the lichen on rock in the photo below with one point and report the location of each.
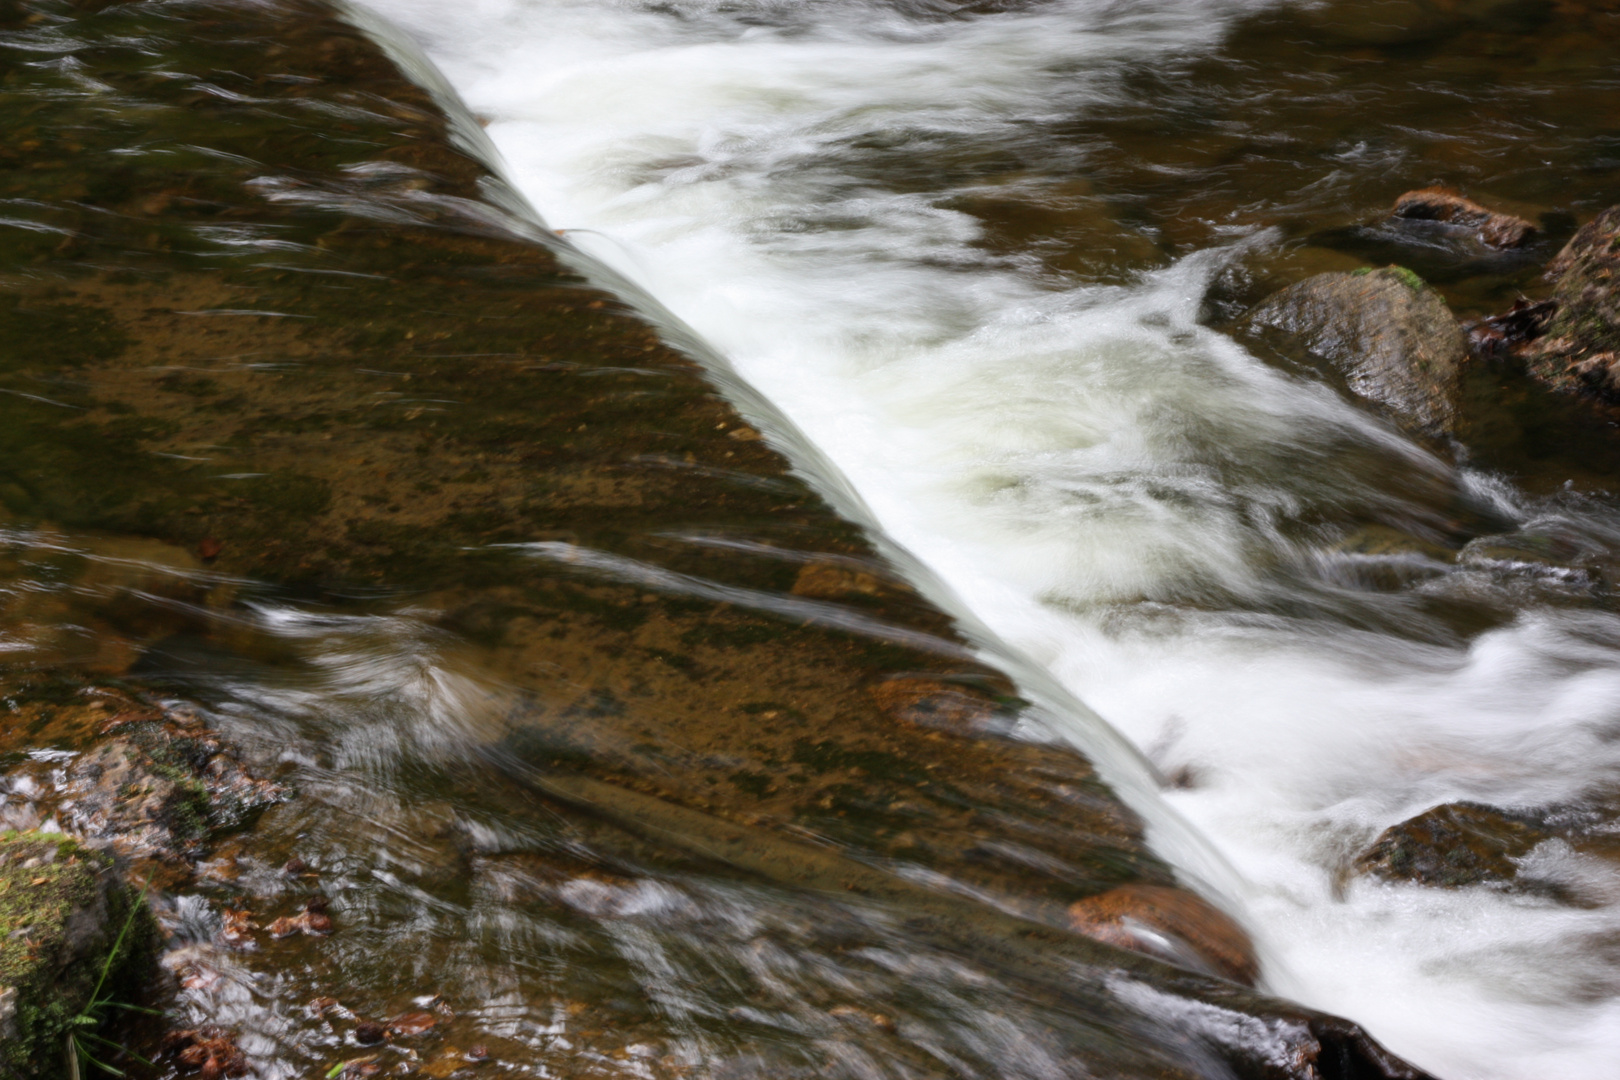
(1578, 350)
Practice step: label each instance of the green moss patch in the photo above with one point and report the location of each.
(61, 911)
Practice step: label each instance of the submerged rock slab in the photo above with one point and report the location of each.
(1390, 336)
(61, 912)
(417, 454)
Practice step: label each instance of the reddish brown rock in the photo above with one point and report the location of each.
(1171, 924)
(838, 581)
(1452, 208)
(932, 703)
(411, 1023)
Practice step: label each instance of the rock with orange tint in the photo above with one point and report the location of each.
(1171, 924)
(411, 1023)
(1450, 207)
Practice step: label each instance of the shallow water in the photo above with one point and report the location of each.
(610, 744)
(604, 731)
(982, 259)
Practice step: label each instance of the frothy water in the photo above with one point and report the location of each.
(1128, 500)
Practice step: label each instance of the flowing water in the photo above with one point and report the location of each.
(647, 755)
(974, 253)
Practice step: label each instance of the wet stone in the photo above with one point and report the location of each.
(1170, 923)
(158, 789)
(416, 424)
(1578, 348)
(1388, 335)
(1452, 846)
(1445, 207)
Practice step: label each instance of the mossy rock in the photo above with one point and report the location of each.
(61, 912)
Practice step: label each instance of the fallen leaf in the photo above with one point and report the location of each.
(238, 927)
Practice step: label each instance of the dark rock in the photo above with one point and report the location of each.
(62, 911)
(1450, 846)
(1446, 236)
(1579, 348)
(370, 1033)
(1390, 336)
(1448, 207)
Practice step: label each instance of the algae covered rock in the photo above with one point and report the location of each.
(62, 910)
(1579, 347)
(1390, 336)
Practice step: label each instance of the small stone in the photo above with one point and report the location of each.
(370, 1033)
(413, 1023)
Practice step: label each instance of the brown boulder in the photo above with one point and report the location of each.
(1450, 846)
(1390, 336)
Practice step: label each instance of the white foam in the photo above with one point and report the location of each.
(1087, 473)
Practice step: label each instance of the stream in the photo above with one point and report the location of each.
(973, 253)
(732, 521)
